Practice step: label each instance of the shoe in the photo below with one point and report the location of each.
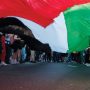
(3, 63)
(16, 62)
(11, 61)
(87, 64)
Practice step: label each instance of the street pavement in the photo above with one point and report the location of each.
(45, 76)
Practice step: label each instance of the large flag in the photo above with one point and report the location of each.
(69, 32)
(64, 31)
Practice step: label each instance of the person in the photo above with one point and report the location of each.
(16, 46)
(3, 52)
(28, 53)
(32, 58)
(23, 54)
(8, 48)
(87, 56)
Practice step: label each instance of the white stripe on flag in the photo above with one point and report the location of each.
(55, 34)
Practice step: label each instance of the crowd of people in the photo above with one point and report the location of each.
(82, 57)
(10, 46)
(13, 50)
(16, 49)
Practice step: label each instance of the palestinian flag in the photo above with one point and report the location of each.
(65, 31)
(70, 31)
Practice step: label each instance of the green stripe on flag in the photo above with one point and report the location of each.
(77, 21)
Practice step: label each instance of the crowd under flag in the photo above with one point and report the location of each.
(65, 31)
